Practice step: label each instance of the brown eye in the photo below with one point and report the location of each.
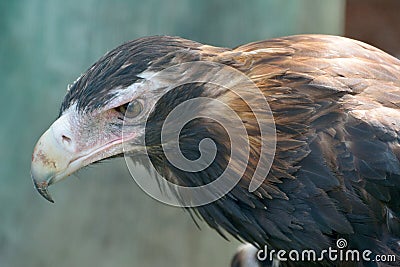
(130, 110)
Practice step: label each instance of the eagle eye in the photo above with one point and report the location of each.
(130, 110)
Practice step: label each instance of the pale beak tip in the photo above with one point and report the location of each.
(41, 187)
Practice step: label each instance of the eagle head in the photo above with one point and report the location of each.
(120, 105)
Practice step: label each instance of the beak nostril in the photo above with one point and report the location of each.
(66, 139)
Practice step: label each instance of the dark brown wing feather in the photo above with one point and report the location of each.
(336, 172)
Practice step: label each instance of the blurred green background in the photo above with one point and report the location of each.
(101, 217)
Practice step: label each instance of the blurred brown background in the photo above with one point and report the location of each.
(376, 22)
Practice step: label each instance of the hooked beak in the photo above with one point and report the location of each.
(42, 189)
(60, 152)
(50, 160)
